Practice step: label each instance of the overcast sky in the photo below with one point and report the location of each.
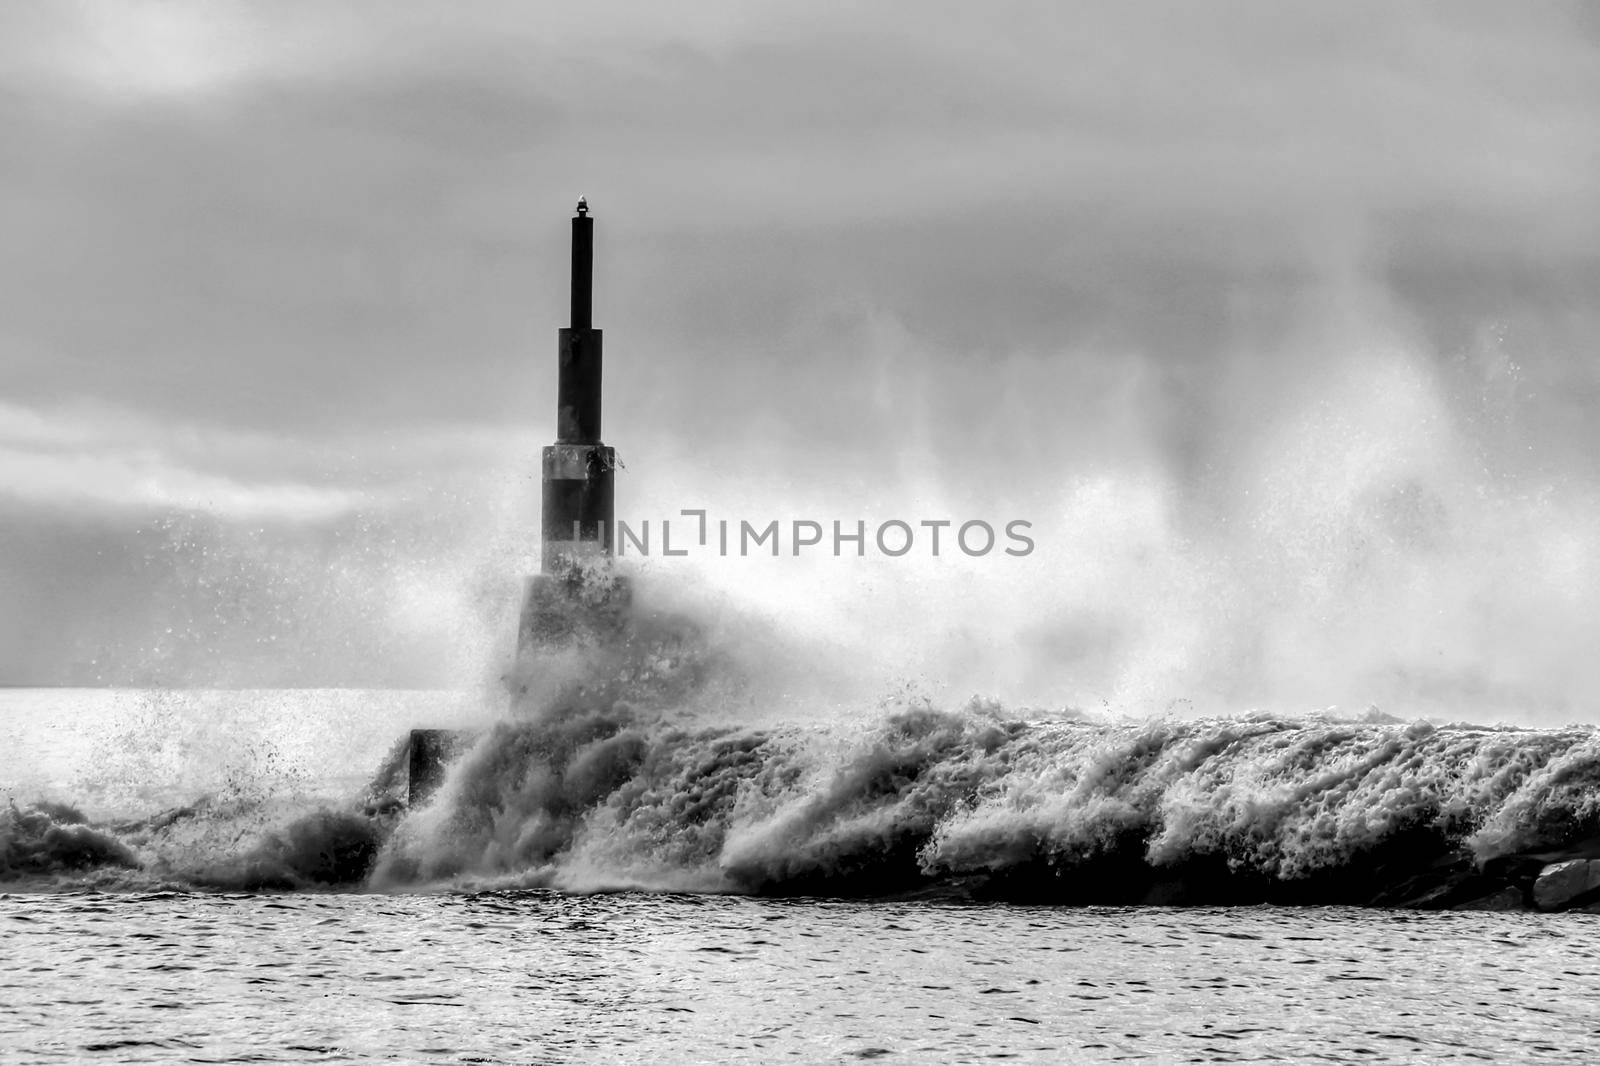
(280, 284)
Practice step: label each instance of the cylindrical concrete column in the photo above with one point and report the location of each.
(582, 268)
(577, 497)
(578, 387)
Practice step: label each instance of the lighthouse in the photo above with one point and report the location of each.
(576, 597)
(575, 592)
(578, 491)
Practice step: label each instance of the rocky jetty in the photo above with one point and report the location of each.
(1574, 883)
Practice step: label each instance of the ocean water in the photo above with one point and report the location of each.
(547, 977)
(213, 877)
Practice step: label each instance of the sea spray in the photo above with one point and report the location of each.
(982, 802)
(49, 839)
(587, 790)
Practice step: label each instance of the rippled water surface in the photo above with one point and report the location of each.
(544, 977)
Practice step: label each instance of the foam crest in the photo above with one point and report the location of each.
(928, 797)
(594, 793)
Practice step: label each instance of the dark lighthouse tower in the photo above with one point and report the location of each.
(575, 595)
(574, 590)
(578, 493)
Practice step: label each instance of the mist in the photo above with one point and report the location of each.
(1279, 334)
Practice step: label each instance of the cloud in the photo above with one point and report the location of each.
(288, 262)
(106, 456)
(147, 481)
(115, 458)
(355, 212)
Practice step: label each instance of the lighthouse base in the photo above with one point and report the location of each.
(580, 605)
(429, 753)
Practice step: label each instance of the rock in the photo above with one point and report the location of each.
(1561, 884)
(1507, 899)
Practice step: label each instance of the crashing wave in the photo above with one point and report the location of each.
(599, 787)
(1253, 809)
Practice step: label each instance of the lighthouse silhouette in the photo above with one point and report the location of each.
(576, 596)
(575, 592)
